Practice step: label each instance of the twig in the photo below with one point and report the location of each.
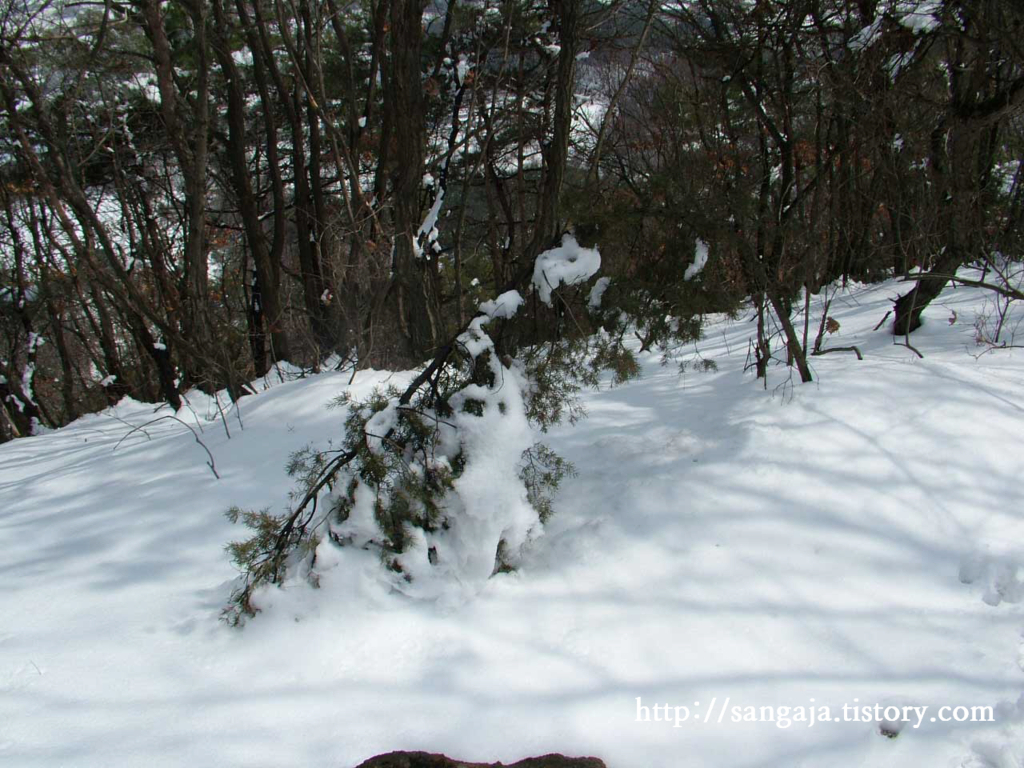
(852, 348)
(134, 428)
(184, 399)
(1008, 292)
(223, 418)
(884, 318)
(141, 427)
(326, 476)
(909, 346)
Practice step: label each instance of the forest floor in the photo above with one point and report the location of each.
(857, 541)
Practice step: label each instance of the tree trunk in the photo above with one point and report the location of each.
(414, 291)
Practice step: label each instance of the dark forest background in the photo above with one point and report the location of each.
(192, 191)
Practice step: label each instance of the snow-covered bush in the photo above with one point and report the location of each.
(443, 480)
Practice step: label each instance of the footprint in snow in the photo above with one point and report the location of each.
(1001, 576)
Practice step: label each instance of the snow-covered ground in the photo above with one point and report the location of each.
(858, 540)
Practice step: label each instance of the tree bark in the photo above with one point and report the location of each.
(415, 293)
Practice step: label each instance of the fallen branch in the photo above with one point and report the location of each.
(851, 348)
(908, 345)
(1008, 292)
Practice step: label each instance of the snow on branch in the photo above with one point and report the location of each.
(700, 258)
(427, 233)
(503, 307)
(568, 264)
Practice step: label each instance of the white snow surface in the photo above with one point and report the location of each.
(860, 537)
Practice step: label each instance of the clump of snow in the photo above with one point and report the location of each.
(1001, 576)
(700, 259)
(379, 425)
(474, 339)
(503, 307)
(597, 292)
(895, 63)
(28, 375)
(919, 16)
(428, 229)
(867, 36)
(568, 264)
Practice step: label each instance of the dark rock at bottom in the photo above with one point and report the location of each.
(427, 760)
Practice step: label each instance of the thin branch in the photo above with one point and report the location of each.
(141, 428)
(852, 348)
(909, 346)
(1010, 293)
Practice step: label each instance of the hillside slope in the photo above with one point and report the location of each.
(858, 540)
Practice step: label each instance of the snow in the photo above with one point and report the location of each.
(7, 295)
(920, 16)
(489, 501)
(568, 264)
(242, 57)
(487, 432)
(858, 538)
(474, 339)
(597, 292)
(378, 426)
(867, 36)
(28, 375)
(504, 307)
(700, 258)
(428, 229)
